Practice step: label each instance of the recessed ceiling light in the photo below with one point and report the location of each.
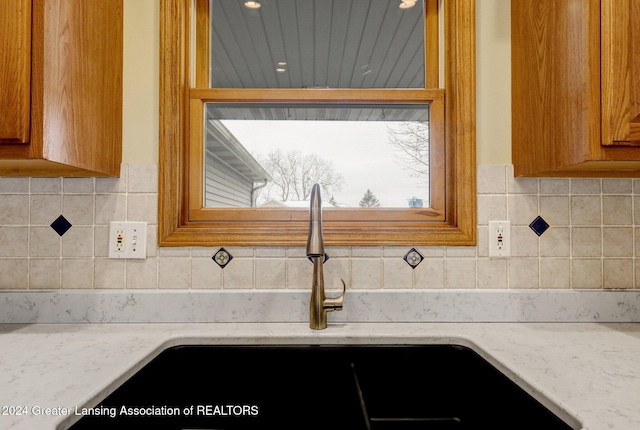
(252, 5)
(407, 4)
(281, 70)
(282, 63)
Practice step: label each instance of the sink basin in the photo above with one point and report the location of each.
(368, 387)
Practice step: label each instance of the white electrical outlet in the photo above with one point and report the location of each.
(499, 238)
(127, 239)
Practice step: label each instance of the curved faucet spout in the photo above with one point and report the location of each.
(320, 304)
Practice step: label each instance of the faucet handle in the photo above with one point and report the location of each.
(336, 303)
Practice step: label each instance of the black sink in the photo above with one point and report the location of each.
(287, 387)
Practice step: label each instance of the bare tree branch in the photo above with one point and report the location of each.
(410, 141)
(293, 174)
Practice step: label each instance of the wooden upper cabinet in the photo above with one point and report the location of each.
(575, 87)
(75, 91)
(620, 44)
(15, 70)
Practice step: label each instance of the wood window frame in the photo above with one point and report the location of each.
(182, 220)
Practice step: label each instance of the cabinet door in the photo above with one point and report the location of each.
(620, 78)
(15, 70)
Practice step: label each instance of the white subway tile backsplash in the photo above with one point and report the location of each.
(395, 273)
(239, 275)
(109, 274)
(492, 273)
(618, 273)
(14, 241)
(591, 243)
(617, 186)
(173, 272)
(585, 186)
(617, 210)
(524, 242)
(78, 208)
(367, 272)
(491, 179)
(429, 274)
(43, 242)
(586, 273)
(586, 242)
(78, 242)
(44, 273)
(335, 269)
(522, 208)
(142, 274)
(586, 210)
(14, 185)
(617, 241)
(460, 273)
(205, 274)
(110, 207)
(143, 178)
(555, 210)
(77, 273)
(299, 273)
(555, 272)
(524, 273)
(554, 186)
(491, 207)
(78, 185)
(555, 242)
(460, 251)
(45, 185)
(366, 251)
(15, 273)
(142, 207)
(14, 209)
(270, 273)
(520, 185)
(44, 208)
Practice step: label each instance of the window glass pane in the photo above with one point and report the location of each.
(270, 156)
(327, 43)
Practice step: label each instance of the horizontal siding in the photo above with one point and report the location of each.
(224, 186)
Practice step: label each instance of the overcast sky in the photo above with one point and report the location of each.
(359, 151)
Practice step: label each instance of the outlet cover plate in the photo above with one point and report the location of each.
(127, 240)
(499, 239)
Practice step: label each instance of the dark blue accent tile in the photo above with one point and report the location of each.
(539, 226)
(326, 258)
(222, 258)
(61, 225)
(413, 258)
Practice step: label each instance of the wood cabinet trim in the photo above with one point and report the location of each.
(575, 87)
(76, 90)
(15, 71)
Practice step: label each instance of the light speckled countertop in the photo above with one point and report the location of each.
(587, 373)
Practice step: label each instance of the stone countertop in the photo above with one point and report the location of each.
(587, 373)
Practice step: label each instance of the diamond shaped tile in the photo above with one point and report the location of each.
(326, 258)
(539, 226)
(222, 257)
(61, 225)
(413, 258)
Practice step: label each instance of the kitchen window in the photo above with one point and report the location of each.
(213, 79)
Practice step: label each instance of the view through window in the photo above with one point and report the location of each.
(274, 163)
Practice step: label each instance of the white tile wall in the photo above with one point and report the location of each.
(591, 243)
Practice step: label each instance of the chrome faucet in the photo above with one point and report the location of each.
(320, 304)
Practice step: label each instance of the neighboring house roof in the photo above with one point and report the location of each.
(221, 143)
(273, 203)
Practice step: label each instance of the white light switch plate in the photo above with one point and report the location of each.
(128, 239)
